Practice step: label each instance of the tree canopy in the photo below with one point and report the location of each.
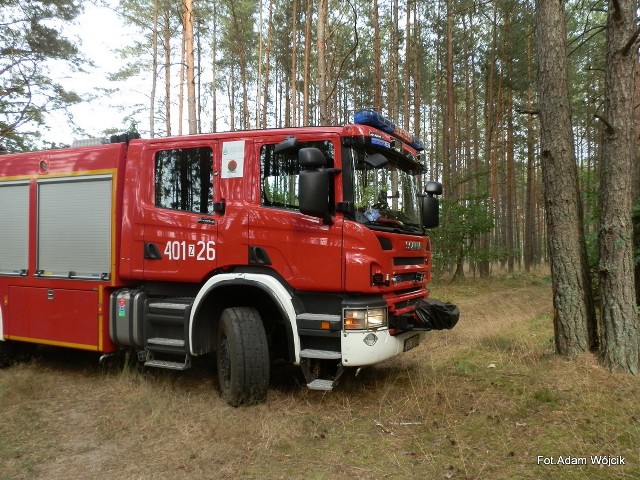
(31, 46)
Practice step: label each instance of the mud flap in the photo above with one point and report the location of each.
(432, 314)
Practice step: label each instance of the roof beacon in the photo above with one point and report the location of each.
(379, 121)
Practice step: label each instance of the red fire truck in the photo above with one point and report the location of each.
(304, 244)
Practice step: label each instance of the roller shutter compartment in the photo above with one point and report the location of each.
(14, 228)
(75, 227)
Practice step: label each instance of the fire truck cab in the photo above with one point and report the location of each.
(305, 244)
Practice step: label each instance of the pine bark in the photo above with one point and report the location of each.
(573, 310)
(529, 209)
(323, 13)
(265, 93)
(619, 321)
(154, 70)
(306, 120)
(191, 84)
(166, 35)
(214, 70)
(377, 59)
(294, 65)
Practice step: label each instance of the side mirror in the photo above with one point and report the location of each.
(430, 211)
(313, 192)
(311, 157)
(314, 183)
(431, 205)
(434, 188)
(287, 145)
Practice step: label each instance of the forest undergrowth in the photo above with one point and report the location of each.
(488, 399)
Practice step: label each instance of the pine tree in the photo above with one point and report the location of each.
(30, 38)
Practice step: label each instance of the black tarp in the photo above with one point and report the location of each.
(437, 315)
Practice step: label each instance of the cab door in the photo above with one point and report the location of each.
(180, 230)
(304, 250)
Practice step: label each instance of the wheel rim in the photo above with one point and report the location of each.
(224, 362)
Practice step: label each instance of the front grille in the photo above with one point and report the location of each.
(406, 261)
(409, 277)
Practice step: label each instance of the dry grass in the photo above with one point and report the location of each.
(481, 401)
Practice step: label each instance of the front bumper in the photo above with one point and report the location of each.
(360, 349)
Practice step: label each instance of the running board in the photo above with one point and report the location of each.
(168, 364)
(166, 342)
(319, 384)
(320, 354)
(322, 384)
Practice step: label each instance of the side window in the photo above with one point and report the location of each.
(280, 172)
(183, 179)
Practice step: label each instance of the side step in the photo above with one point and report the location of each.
(308, 356)
(320, 354)
(168, 364)
(319, 384)
(167, 342)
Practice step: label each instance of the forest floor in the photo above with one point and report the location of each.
(488, 399)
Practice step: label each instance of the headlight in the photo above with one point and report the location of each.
(365, 319)
(376, 318)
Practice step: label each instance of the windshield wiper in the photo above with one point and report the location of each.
(390, 225)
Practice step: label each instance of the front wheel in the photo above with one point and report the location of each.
(242, 357)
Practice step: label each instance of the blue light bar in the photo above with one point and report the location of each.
(379, 121)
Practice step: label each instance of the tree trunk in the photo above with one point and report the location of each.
(166, 35)
(529, 209)
(189, 52)
(323, 12)
(377, 60)
(265, 99)
(489, 135)
(619, 321)
(392, 77)
(417, 79)
(154, 71)
(636, 176)
(181, 80)
(307, 64)
(510, 207)
(260, 65)
(214, 70)
(573, 309)
(449, 116)
(406, 110)
(294, 65)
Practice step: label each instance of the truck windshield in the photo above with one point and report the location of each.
(384, 197)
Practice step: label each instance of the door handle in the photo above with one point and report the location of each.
(151, 251)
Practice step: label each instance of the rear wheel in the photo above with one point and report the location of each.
(242, 357)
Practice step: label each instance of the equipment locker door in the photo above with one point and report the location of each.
(180, 231)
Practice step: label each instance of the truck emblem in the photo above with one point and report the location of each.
(413, 245)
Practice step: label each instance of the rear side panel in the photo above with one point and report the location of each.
(62, 317)
(60, 219)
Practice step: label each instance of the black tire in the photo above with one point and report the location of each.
(242, 357)
(15, 352)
